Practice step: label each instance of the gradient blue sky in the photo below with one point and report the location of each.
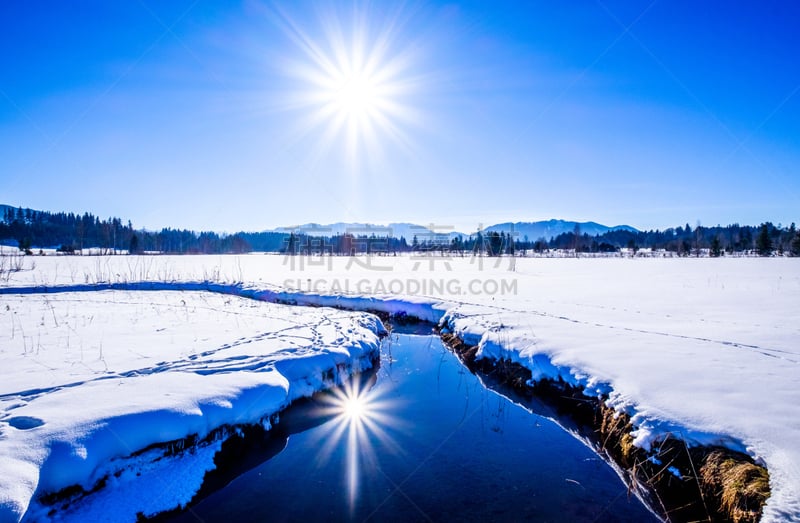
(200, 114)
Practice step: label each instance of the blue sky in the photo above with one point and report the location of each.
(228, 116)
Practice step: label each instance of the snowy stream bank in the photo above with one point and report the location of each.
(109, 374)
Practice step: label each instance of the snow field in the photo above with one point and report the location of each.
(705, 349)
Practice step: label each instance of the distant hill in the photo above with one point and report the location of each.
(533, 230)
(552, 228)
(4, 208)
(396, 230)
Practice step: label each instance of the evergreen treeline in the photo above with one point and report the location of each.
(764, 240)
(72, 232)
(343, 244)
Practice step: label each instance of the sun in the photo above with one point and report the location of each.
(356, 95)
(353, 81)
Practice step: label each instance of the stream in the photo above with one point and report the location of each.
(419, 438)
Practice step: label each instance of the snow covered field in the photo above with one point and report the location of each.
(705, 349)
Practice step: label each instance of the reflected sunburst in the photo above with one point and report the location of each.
(361, 419)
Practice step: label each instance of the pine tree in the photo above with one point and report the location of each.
(716, 248)
(134, 245)
(794, 241)
(495, 243)
(764, 241)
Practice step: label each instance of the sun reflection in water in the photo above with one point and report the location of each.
(354, 408)
(361, 420)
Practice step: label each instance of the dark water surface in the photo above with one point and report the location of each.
(425, 442)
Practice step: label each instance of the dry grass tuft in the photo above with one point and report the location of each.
(741, 486)
(615, 431)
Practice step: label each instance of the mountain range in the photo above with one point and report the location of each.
(533, 230)
(551, 228)
(396, 230)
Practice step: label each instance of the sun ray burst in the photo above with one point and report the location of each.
(353, 84)
(361, 419)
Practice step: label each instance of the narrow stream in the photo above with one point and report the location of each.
(420, 439)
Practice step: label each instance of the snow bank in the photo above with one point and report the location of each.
(706, 349)
(92, 377)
